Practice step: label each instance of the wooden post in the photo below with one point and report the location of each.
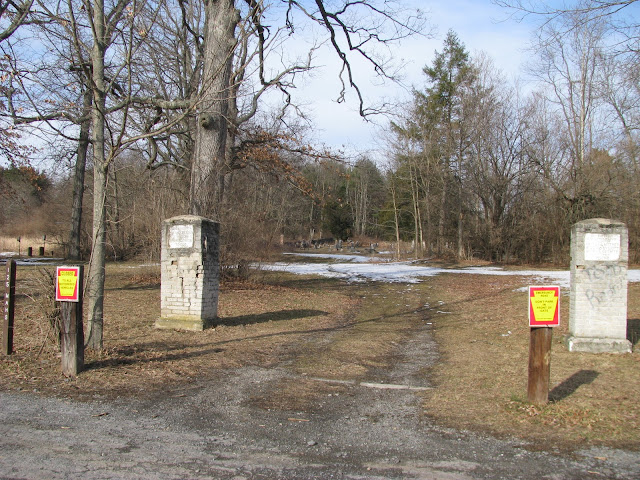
(72, 341)
(539, 365)
(9, 306)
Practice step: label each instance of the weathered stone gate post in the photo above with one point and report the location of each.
(598, 298)
(190, 273)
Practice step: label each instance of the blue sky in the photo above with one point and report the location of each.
(480, 25)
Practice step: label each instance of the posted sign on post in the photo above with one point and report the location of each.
(67, 282)
(544, 306)
(544, 311)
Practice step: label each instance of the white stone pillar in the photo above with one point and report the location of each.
(190, 273)
(598, 297)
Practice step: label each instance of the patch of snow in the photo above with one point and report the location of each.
(338, 256)
(23, 261)
(361, 268)
(633, 275)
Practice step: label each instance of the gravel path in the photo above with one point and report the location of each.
(216, 429)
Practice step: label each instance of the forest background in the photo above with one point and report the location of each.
(143, 122)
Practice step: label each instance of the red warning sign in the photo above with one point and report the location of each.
(67, 284)
(544, 306)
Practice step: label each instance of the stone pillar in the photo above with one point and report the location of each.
(598, 298)
(190, 273)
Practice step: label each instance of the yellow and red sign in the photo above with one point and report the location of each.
(544, 306)
(67, 282)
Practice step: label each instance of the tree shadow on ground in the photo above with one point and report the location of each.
(167, 351)
(633, 331)
(147, 353)
(317, 283)
(568, 387)
(268, 317)
(150, 286)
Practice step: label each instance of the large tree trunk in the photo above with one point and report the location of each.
(118, 240)
(209, 160)
(417, 220)
(95, 281)
(442, 215)
(460, 239)
(78, 180)
(427, 217)
(396, 219)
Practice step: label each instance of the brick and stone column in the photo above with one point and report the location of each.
(190, 273)
(598, 298)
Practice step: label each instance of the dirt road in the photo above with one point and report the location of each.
(223, 427)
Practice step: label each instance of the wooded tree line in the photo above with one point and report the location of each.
(166, 107)
(485, 170)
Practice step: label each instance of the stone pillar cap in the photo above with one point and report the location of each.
(188, 219)
(601, 221)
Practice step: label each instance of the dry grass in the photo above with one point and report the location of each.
(482, 380)
(258, 325)
(324, 328)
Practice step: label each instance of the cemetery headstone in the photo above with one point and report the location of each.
(598, 297)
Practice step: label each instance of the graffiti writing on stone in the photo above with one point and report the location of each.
(608, 281)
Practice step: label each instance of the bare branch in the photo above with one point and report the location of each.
(346, 24)
(18, 13)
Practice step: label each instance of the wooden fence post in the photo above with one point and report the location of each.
(539, 365)
(72, 332)
(9, 308)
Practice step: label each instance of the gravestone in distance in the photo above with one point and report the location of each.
(598, 298)
(190, 273)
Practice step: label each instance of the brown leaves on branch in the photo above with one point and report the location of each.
(280, 155)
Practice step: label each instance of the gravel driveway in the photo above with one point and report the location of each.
(219, 428)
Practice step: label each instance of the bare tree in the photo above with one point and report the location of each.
(13, 14)
(617, 13)
(498, 168)
(365, 190)
(568, 66)
(353, 28)
(619, 88)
